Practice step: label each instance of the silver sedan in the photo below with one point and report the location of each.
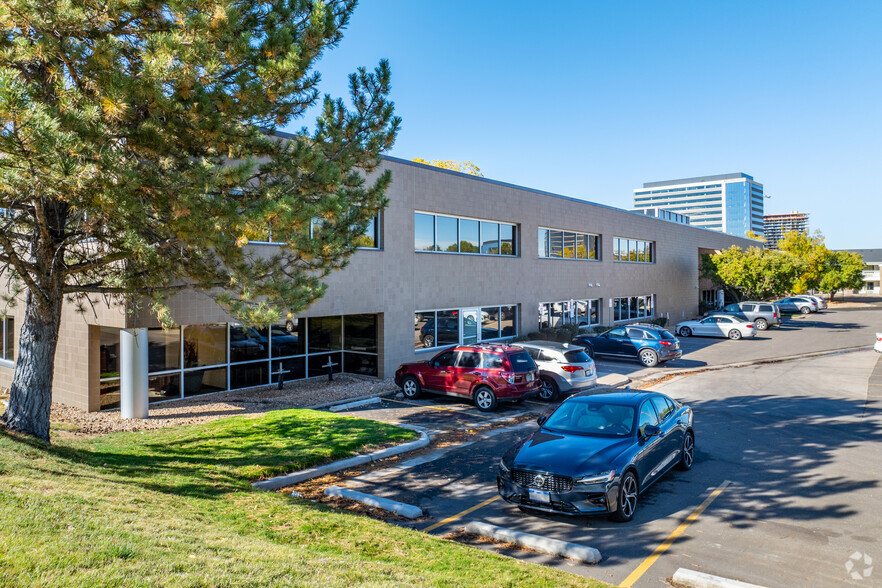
(717, 326)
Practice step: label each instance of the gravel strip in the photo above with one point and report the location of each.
(202, 409)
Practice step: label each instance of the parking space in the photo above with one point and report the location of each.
(784, 490)
(789, 448)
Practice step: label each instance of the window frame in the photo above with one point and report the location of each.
(516, 244)
(8, 335)
(593, 243)
(639, 247)
(459, 316)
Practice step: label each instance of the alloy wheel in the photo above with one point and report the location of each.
(688, 451)
(734, 334)
(546, 392)
(629, 496)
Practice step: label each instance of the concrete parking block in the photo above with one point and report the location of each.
(693, 579)
(613, 380)
(356, 404)
(536, 542)
(343, 464)
(406, 510)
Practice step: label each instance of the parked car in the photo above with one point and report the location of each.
(717, 326)
(487, 374)
(564, 368)
(596, 453)
(650, 344)
(448, 330)
(795, 304)
(762, 314)
(878, 345)
(822, 303)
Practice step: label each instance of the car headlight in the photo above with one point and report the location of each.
(503, 467)
(596, 478)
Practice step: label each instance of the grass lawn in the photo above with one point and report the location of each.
(175, 507)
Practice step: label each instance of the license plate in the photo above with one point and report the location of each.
(539, 496)
(529, 377)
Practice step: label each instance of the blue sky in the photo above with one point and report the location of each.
(591, 99)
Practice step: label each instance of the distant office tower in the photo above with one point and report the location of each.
(776, 225)
(729, 203)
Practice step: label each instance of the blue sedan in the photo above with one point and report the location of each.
(596, 453)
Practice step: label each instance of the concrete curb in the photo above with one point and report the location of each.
(693, 579)
(613, 379)
(355, 404)
(343, 464)
(711, 368)
(325, 405)
(535, 542)
(406, 510)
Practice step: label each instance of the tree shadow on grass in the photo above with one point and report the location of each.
(213, 459)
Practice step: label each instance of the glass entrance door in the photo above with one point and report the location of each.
(470, 326)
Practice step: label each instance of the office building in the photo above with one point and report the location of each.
(453, 259)
(777, 225)
(729, 203)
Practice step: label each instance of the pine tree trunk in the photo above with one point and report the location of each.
(31, 392)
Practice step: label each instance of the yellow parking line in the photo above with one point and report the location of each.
(419, 405)
(461, 514)
(647, 563)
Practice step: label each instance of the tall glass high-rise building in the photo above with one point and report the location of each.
(729, 203)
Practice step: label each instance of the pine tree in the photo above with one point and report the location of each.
(138, 158)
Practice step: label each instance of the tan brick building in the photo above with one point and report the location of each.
(457, 259)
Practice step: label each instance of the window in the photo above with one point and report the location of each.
(663, 407)
(633, 250)
(469, 359)
(568, 245)
(578, 312)
(632, 308)
(452, 234)
(370, 239)
(437, 328)
(647, 417)
(8, 339)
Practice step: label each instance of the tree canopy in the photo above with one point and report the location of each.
(801, 263)
(138, 157)
(466, 167)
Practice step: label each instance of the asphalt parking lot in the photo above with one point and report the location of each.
(787, 466)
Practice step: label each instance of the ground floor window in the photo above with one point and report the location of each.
(630, 308)
(709, 297)
(199, 359)
(578, 312)
(7, 338)
(467, 326)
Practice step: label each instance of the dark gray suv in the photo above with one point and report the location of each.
(762, 314)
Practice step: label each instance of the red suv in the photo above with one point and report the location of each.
(488, 374)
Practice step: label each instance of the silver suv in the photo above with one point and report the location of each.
(564, 368)
(762, 314)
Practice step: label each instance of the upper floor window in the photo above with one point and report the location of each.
(7, 338)
(633, 250)
(453, 234)
(556, 244)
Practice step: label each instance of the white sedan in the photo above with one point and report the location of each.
(717, 326)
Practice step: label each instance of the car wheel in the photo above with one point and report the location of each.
(549, 389)
(805, 310)
(485, 399)
(590, 351)
(687, 458)
(761, 324)
(411, 387)
(429, 341)
(734, 334)
(649, 358)
(685, 332)
(627, 502)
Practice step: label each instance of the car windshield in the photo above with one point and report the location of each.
(592, 417)
(521, 362)
(577, 356)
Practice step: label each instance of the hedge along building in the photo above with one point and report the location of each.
(453, 259)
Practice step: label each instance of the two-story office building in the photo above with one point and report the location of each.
(453, 259)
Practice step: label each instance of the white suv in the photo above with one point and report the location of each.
(564, 368)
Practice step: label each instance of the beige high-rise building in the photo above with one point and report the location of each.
(777, 225)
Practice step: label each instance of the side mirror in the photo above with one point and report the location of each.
(650, 431)
(541, 420)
